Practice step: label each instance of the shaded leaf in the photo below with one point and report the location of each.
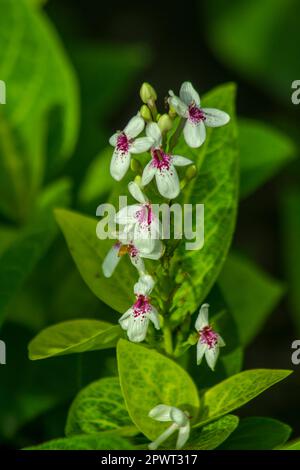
(100, 441)
(250, 294)
(212, 435)
(257, 434)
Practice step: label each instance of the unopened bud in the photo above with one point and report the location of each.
(146, 113)
(165, 123)
(190, 172)
(138, 180)
(147, 93)
(135, 166)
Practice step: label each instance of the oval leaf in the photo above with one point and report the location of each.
(75, 336)
(148, 379)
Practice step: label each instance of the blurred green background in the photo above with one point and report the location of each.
(73, 71)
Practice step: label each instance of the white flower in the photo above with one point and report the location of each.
(209, 342)
(188, 107)
(136, 256)
(136, 320)
(125, 144)
(139, 222)
(180, 422)
(162, 165)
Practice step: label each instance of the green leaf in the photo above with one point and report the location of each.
(257, 434)
(236, 391)
(258, 39)
(263, 152)
(74, 336)
(40, 118)
(99, 407)
(250, 294)
(292, 445)
(100, 441)
(290, 222)
(212, 435)
(21, 257)
(148, 379)
(88, 253)
(215, 186)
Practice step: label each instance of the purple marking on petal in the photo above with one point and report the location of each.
(160, 159)
(195, 114)
(144, 215)
(208, 336)
(123, 143)
(141, 306)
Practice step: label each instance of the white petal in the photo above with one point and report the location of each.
(164, 436)
(168, 183)
(201, 348)
(137, 329)
(179, 417)
(141, 145)
(183, 435)
(148, 173)
(153, 316)
(179, 106)
(138, 263)
(157, 251)
(181, 161)
(119, 164)
(153, 131)
(194, 134)
(202, 319)
(144, 285)
(161, 413)
(188, 94)
(127, 215)
(211, 356)
(215, 117)
(113, 139)
(136, 192)
(111, 260)
(143, 239)
(124, 320)
(134, 127)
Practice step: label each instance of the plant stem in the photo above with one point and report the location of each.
(176, 135)
(168, 342)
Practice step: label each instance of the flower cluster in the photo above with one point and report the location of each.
(154, 136)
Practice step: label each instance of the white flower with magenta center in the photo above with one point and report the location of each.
(187, 105)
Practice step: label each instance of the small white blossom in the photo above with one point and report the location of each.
(187, 105)
(125, 144)
(180, 421)
(209, 342)
(162, 165)
(136, 320)
(136, 256)
(139, 222)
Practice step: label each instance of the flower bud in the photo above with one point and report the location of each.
(147, 93)
(190, 172)
(165, 123)
(146, 113)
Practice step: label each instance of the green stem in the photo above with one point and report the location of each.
(176, 135)
(168, 342)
